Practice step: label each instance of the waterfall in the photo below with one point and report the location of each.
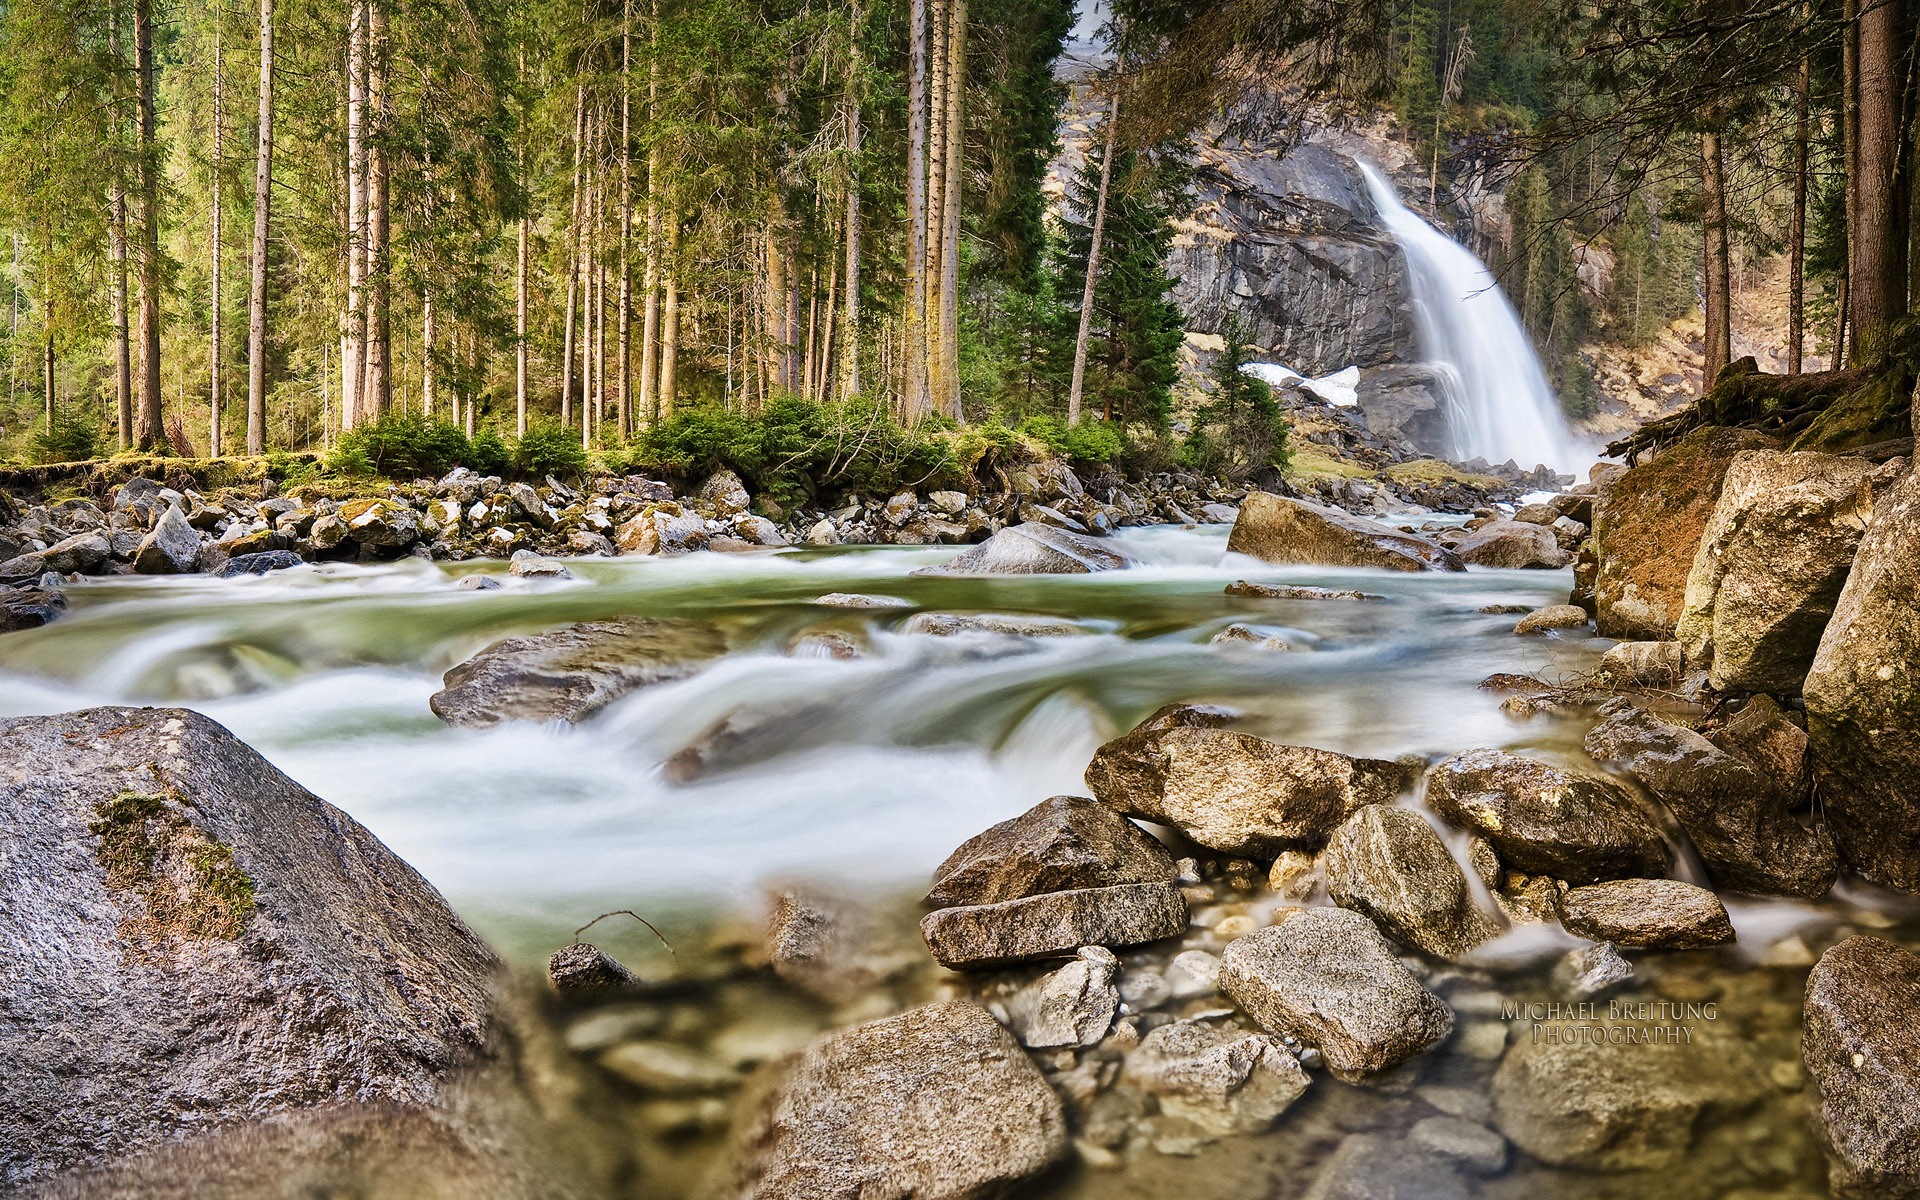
(1498, 403)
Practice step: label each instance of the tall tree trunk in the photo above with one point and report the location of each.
(262, 214)
(949, 330)
(353, 331)
(573, 250)
(46, 341)
(215, 346)
(152, 433)
(1718, 267)
(624, 353)
(379, 385)
(941, 29)
(1877, 240)
(778, 338)
(1076, 390)
(520, 277)
(670, 316)
(122, 322)
(850, 331)
(1797, 237)
(914, 364)
(650, 401)
(427, 339)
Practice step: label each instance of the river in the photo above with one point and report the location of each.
(865, 772)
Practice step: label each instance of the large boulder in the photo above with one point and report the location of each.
(1863, 694)
(1861, 1046)
(1235, 792)
(382, 523)
(972, 936)
(1663, 914)
(1647, 524)
(1034, 548)
(570, 674)
(1388, 863)
(1546, 820)
(202, 943)
(1516, 544)
(1734, 811)
(1278, 529)
(1771, 565)
(1617, 1095)
(172, 547)
(937, 1103)
(29, 607)
(1061, 843)
(1328, 977)
(1221, 1079)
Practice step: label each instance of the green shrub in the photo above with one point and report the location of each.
(1088, 444)
(489, 454)
(400, 445)
(549, 448)
(68, 439)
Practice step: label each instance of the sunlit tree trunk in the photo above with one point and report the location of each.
(152, 433)
(914, 363)
(1077, 388)
(624, 354)
(1797, 237)
(215, 345)
(941, 29)
(353, 334)
(1877, 239)
(262, 220)
(122, 325)
(949, 307)
(379, 384)
(573, 252)
(670, 317)
(650, 381)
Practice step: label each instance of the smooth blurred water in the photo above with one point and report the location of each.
(867, 771)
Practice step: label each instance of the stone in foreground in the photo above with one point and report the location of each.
(1553, 616)
(1389, 864)
(1863, 699)
(1663, 914)
(1034, 548)
(29, 608)
(1861, 1046)
(583, 970)
(1223, 1080)
(991, 935)
(937, 1103)
(572, 673)
(172, 548)
(1735, 813)
(1073, 1006)
(1061, 843)
(1546, 820)
(1514, 545)
(202, 943)
(1277, 529)
(1235, 792)
(1328, 977)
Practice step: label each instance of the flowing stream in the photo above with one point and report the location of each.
(865, 773)
(1498, 402)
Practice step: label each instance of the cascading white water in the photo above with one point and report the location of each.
(1498, 403)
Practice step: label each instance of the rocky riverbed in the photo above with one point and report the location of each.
(1317, 857)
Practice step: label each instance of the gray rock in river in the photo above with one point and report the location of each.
(203, 943)
(1862, 696)
(171, 548)
(1389, 864)
(1581, 1094)
(1514, 544)
(1861, 1046)
(1073, 1006)
(581, 970)
(1369, 1167)
(1547, 820)
(1294, 591)
(1328, 977)
(1061, 843)
(1221, 1079)
(940, 624)
(1233, 791)
(834, 947)
(937, 1103)
(1034, 548)
(569, 674)
(29, 607)
(1052, 923)
(1277, 529)
(260, 563)
(1735, 813)
(1663, 914)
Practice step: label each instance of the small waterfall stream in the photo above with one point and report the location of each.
(1499, 404)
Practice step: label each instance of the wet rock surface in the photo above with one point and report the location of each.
(1235, 792)
(989, 935)
(1547, 820)
(203, 943)
(1659, 913)
(1328, 977)
(571, 673)
(1735, 813)
(938, 1102)
(1276, 529)
(1221, 1079)
(1512, 544)
(1862, 1053)
(1062, 843)
(1034, 548)
(1389, 864)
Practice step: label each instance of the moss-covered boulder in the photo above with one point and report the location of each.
(569, 674)
(1647, 525)
(192, 941)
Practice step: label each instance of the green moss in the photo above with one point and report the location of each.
(1313, 463)
(189, 885)
(1879, 410)
(1433, 470)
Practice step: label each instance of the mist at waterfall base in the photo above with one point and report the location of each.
(1499, 406)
